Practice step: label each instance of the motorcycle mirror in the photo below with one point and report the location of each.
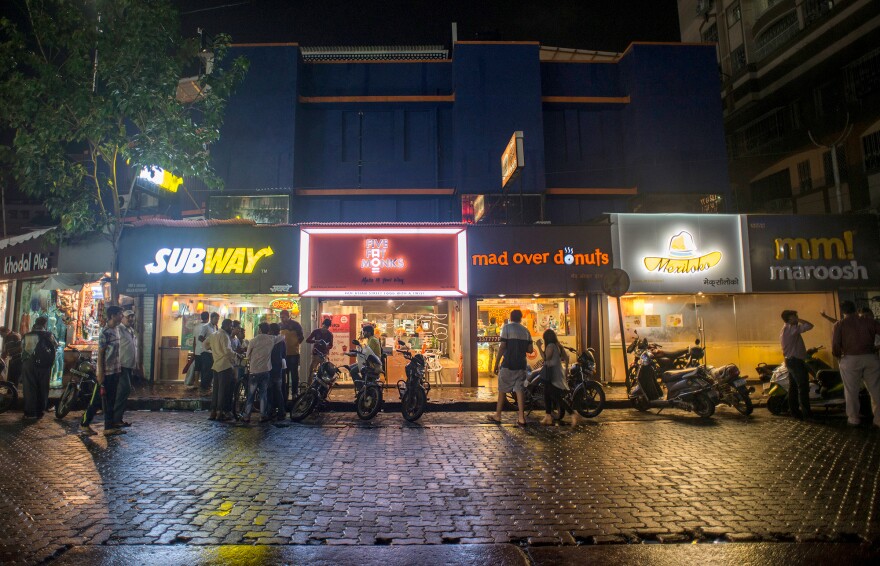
(355, 343)
(401, 342)
(697, 341)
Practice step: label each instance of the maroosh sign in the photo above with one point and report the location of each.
(212, 259)
(813, 253)
(524, 260)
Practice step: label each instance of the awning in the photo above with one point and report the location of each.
(69, 281)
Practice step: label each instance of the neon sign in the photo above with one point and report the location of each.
(376, 256)
(684, 258)
(207, 260)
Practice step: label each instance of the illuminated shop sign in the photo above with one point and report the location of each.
(210, 260)
(680, 253)
(512, 159)
(161, 178)
(538, 259)
(232, 258)
(813, 253)
(382, 262)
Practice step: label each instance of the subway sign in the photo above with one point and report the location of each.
(813, 253)
(228, 259)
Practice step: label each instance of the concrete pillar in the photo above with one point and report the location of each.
(469, 341)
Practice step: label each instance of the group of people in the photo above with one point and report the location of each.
(854, 342)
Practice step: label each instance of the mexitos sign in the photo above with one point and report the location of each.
(680, 253)
(813, 253)
(376, 261)
(215, 259)
(537, 259)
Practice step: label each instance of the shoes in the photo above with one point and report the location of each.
(213, 417)
(223, 418)
(493, 419)
(852, 424)
(265, 419)
(86, 430)
(113, 431)
(577, 419)
(245, 420)
(122, 424)
(547, 420)
(30, 417)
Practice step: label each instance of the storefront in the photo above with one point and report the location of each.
(725, 279)
(180, 269)
(405, 281)
(553, 274)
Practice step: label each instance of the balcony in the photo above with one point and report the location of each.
(776, 35)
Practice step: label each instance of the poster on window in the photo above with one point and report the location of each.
(675, 320)
(341, 326)
(652, 321)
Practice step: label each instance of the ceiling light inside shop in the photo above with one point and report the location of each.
(571, 294)
(502, 296)
(536, 295)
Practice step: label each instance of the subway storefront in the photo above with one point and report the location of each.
(241, 271)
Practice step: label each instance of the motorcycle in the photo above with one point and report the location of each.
(8, 393)
(323, 380)
(826, 386)
(414, 391)
(686, 389)
(367, 383)
(730, 387)
(78, 393)
(662, 359)
(584, 394)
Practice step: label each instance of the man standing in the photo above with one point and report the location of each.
(293, 337)
(492, 332)
(38, 357)
(516, 343)
(277, 399)
(259, 354)
(206, 359)
(128, 358)
(853, 343)
(223, 358)
(795, 352)
(322, 338)
(109, 369)
(11, 354)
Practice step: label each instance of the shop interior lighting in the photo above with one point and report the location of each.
(571, 294)
(536, 295)
(175, 306)
(200, 307)
(502, 296)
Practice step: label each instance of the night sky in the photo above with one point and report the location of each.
(587, 24)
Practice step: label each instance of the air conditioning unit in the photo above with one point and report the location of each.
(704, 7)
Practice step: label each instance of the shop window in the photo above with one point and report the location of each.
(539, 314)
(805, 176)
(262, 209)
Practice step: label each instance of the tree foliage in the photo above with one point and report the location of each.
(90, 90)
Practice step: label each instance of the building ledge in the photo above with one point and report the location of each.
(594, 191)
(372, 192)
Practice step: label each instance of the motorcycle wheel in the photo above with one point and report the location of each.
(369, 402)
(703, 406)
(303, 405)
(65, 402)
(589, 399)
(741, 401)
(414, 404)
(8, 396)
(777, 404)
(640, 403)
(631, 377)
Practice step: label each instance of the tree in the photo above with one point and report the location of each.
(90, 90)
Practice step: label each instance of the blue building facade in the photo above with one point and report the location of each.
(407, 140)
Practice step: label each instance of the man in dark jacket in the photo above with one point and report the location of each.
(38, 357)
(11, 354)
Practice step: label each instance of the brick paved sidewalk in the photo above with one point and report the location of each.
(177, 478)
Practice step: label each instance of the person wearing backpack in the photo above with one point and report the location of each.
(37, 359)
(109, 370)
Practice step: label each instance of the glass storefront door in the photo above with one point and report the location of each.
(539, 314)
(179, 318)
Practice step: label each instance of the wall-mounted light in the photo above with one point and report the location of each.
(175, 306)
(200, 307)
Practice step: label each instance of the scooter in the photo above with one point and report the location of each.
(367, 381)
(414, 391)
(731, 387)
(686, 389)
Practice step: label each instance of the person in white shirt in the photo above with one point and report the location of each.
(220, 346)
(259, 353)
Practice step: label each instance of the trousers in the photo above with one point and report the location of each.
(123, 390)
(855, 370)
(35, 382)
(221, 395)
(798, 388)
(108, 400)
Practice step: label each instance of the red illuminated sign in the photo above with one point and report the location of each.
(383, 262)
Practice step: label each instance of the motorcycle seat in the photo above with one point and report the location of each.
(678, 374)
(672, 354)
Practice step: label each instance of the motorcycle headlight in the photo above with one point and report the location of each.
(84, 367)
(645, 359)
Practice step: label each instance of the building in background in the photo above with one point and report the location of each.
(795, 72)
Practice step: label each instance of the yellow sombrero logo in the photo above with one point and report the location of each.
(683, 257)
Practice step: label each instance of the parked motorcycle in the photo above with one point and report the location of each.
(8, 392)
(323, 380)
(663, 360)
(78, 393)
(826, 386)
(731, 387)
(584, 395)
(686, 389)
(414, 391)
(367, 382)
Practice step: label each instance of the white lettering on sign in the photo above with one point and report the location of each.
(376, 256)
(24, 263)
(210, 260)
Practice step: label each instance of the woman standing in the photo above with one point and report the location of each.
(554, 383)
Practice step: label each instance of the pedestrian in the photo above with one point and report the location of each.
(277, 400)
(11, 354)
(109, 370)
(206, 358)
(223, 358)
(259, 354)
(293, 337)
(198, 348)
(852, 343)
(38, 357)
(555, 384)
(516, 344)
(128, 358)
(795, 352)
(322, 339)
(494, 345)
